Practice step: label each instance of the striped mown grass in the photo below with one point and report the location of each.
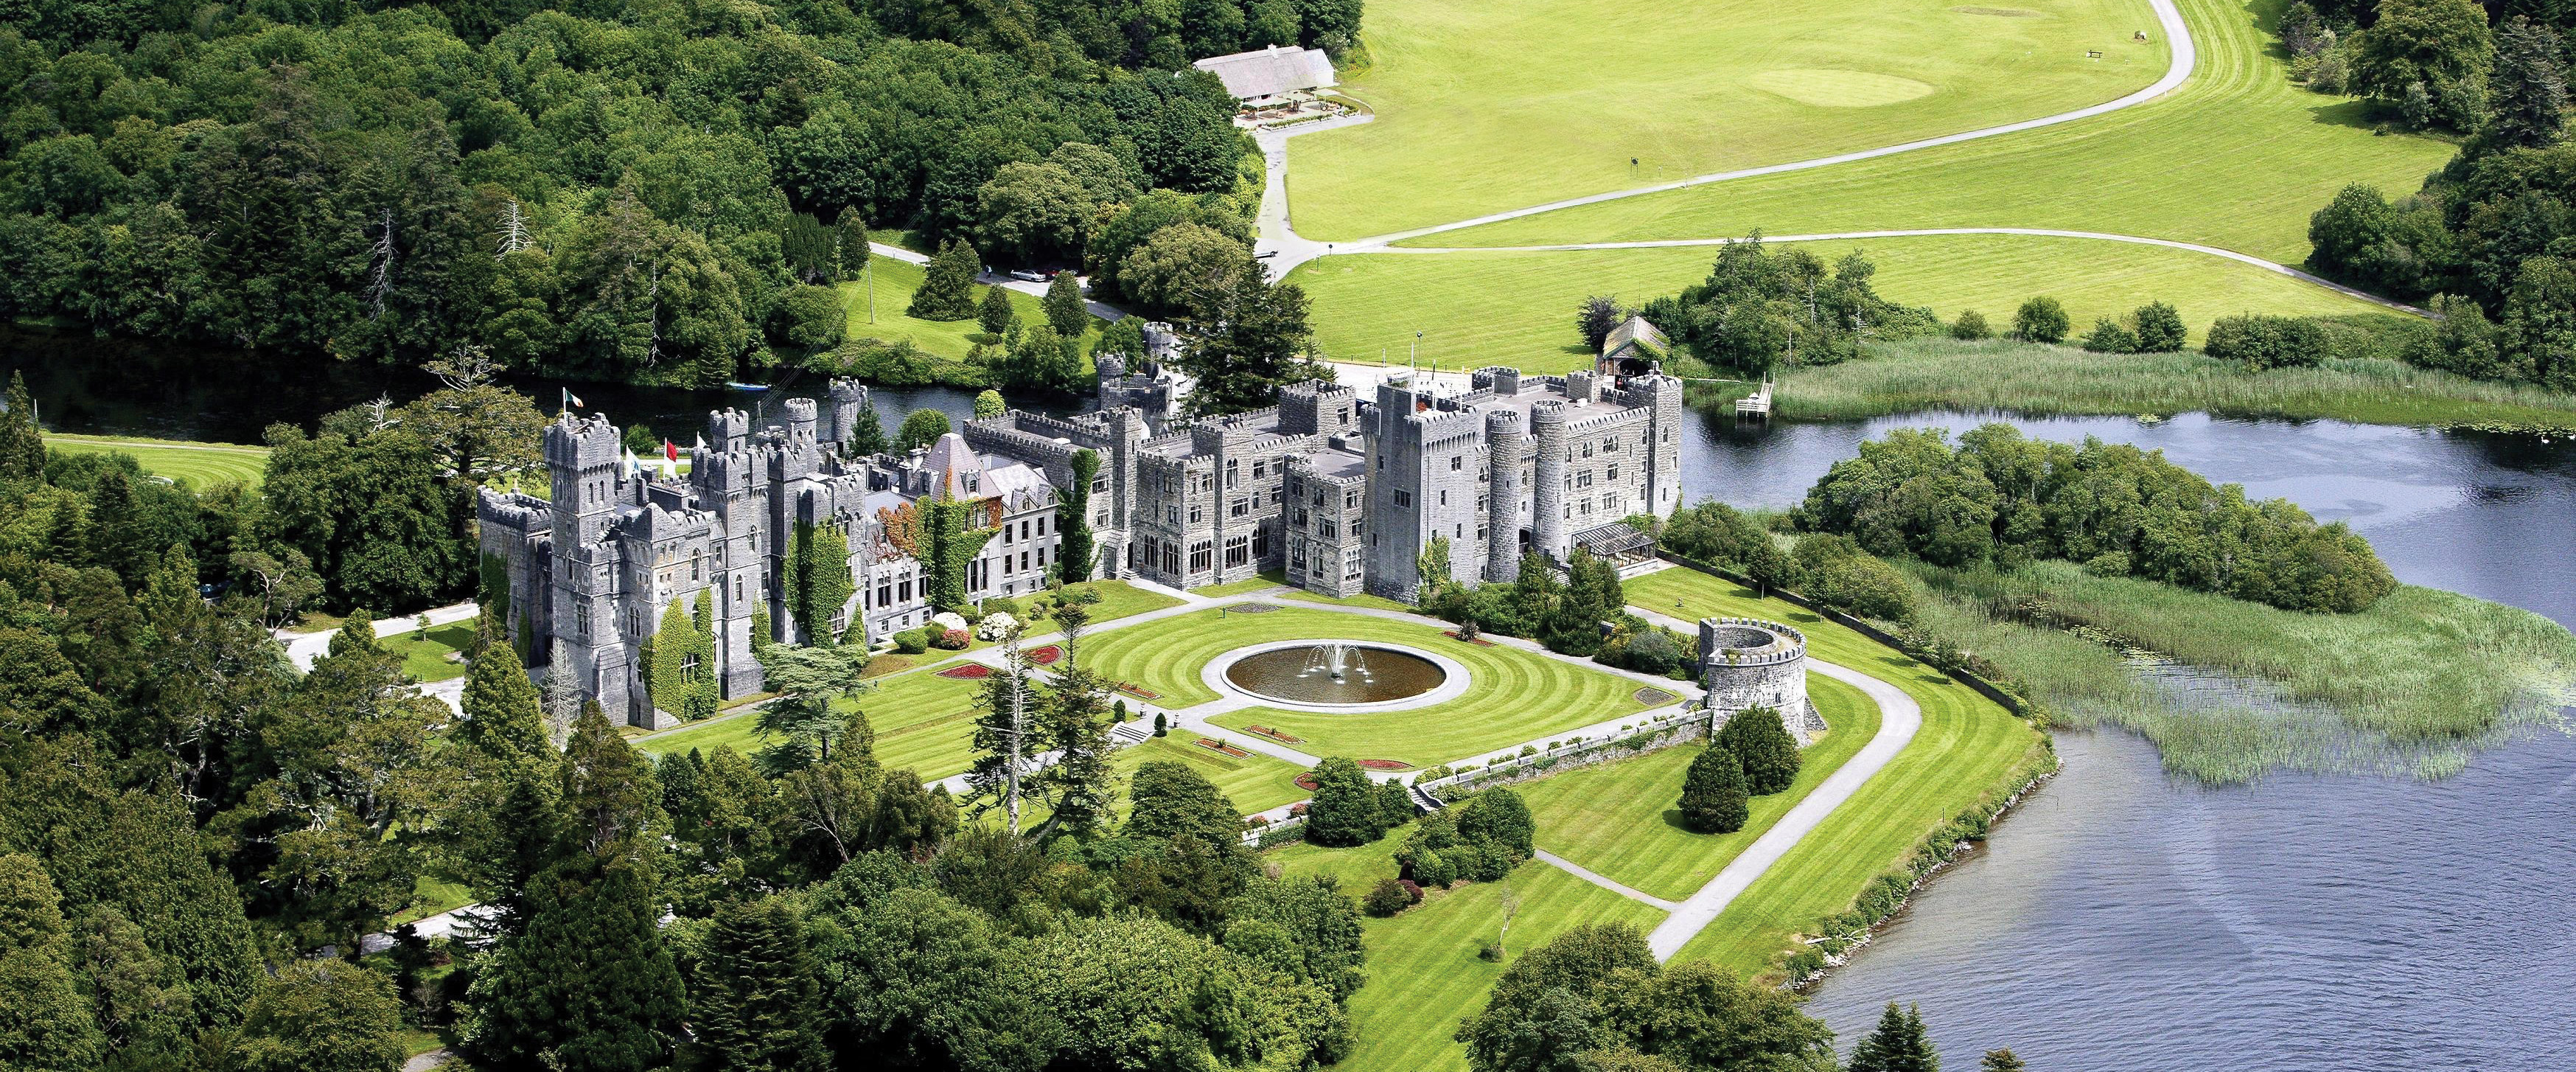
(922, 721)
(2238, 158)
(1621, 819)
(1255, 783)
(197, 465)
(1968, 751)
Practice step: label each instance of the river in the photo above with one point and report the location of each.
(2118, 920)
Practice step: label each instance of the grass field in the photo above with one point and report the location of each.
(1255, 783)
(1517, 695)
(1517, 307)
(923, 722)
(425, 654)
(1620, 819)
(895, 281)
(197, 465)
(2236, 158)
(1966, 748)
(1483, 107)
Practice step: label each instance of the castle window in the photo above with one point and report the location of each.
(1230, 474)
(885, 593)
(1444, 497)
(1583, 479)
(1457, 462)
(1261, 543)
(1172, 515)
(1042, 524)
(903, 590)
(690, 668)
(1587, 449)
(1356, 525)
(1342, 415)
(1239, 508)
(1480, 532)
(1024, 562)
(1457, 532)
(1100, 485)
(1351, 569)
(1350, 499)
(581, 620)
(1260, 468)
(1202, 556)
(1024, 528)
(1613, 474)
(1403, 499)
(1296, 556)
(1610, 445)
(1197, 514)
(1238, 552)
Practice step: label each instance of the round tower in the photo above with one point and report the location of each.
(1547, 498)
(1502, 494)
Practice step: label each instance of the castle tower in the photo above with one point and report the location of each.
(1663, 397)
(582, 460)
(841, 410)
(800, 419)
(1502, 494)
(728, 430)
(1547, 498)
(581, 463)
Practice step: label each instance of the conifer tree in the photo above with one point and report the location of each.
(947, 285)
(994, 314)
(1713, 793)
(590, 987)
(610, 798)
(45, 1025)
(754, 1005)
(1007, 733)
(322, 1016)
(501, 707)
(853, 236)
(22, 443)
(2527, 89)
(2001, 1061)
(1898, 1044)
(1763, 747)
(1080, 785)
(867, 434)
(1065, 310)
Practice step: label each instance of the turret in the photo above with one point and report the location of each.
(582, 460)
(841, 412)
(800, 419)
(1547, 499)
(728, 430)
(1502, 494)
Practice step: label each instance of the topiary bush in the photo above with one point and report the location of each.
(912, 641)
(1763, 747)
(1713, 793)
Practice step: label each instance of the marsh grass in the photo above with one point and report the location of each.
(2030, 378)
(2229, 690)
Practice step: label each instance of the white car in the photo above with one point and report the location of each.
(1029, 277)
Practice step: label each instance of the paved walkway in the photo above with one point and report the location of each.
(303, 648)
(1587, 875)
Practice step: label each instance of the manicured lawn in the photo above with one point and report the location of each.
(429, 897)
(197, 465)
(1362, 599)
(1118, 599)
(1356, 869)
(922, 721)
(1483, 107)
(426, 655)
(1620, 819)
(1423, 972)
(895, 282)
(2238, 157)
(1248, 584)
(1516, 307)
(1255, 783)
(1967, 746)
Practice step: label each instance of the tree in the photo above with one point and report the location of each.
(1597, 317)
(947, 285)
(813, 251)
(1171, 800)
(2160, 328)
(1075, 552)
(1970, 325)
(1344, 811)
(609, 794)
(756, 998)
(1713, 793)
(2527, 91)
(22, 443)
(1258, 347)
(920, 429)
(1080, 785)
(2040, 319)
(46, 1024)
(2111, 337)
(1006, 733)
(995, 314)
(989, 404)
(1187, 269)
(850, 234)
(322, 1016)
(2436, 51)
(1898, 1044)
(867, 434)
(810, 319)
(500, 706)
(1034, 214)
(1065, 310)
(2001, 1061)
(1543, 1012)
(478, 428)
(811, 683)
(1763, 748)
(590, 987)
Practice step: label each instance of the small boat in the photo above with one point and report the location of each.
(738, 385)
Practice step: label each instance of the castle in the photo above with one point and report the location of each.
(1341, 493)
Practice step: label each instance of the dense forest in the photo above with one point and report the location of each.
(593, 189)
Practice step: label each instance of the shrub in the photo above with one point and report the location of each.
(1161, 729)
(2041, 319)
(994, 625)
(2111, 337)
(1842, 576)
(1970, 325)
(1345, 810)
(912, 641)
(1386, 898)
(1003, 605)
(951, 640)
(1763, 747)
(2160, 329)
(1713, 793)
(1411, 889)
(2264, 342)
(1498, 816)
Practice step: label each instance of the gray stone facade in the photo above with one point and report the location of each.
(1747, 663)
(1340, 493)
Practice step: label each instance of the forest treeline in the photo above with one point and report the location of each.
(589, 189)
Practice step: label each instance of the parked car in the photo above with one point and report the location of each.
(1026, 276)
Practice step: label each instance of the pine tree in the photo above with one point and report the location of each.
(1073, 519)
(994, 314)
(22, 443)
(502, 715)
(2001, 1061)
(1762, 745)
(609, 795)
(2527, 89)
(1081, 786)
(947, 285)
(1898, 1044)
(45, 1024)
(853, 235)
(590, 987)
(1007, 733)
(322, 1016)
(1713, 793)
(754, 1006)
(121, 537)
(867, 434)
(1064, 308)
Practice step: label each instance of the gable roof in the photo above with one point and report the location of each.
(1635, 330)
(1271, 71)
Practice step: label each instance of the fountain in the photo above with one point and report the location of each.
(1336, 658)
(1329, 673)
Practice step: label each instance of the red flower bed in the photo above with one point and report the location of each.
(1139, 692)
(1283, 738)
(968, 672)
(1214, 745)
(1046, 656)
(1306, 781)
(1385, 764)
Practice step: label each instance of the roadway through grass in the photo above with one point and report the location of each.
(197, 465)
(1480, 307)
(1484, 107)
(2237, 158)
(1967, 750)
(1621, 819)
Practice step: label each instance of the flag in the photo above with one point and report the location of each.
(670, 453)
(634, 465)
(702, 441)
(570, 400)
(670, 461)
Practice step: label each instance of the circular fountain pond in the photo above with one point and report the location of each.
(1329, 674)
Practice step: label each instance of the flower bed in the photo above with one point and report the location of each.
(1654, 697)
(1046, 656)
(1138, 691)
(968, 672)
(1283, 738)
(1222, 748)
(1385, 764)
(1306, 781)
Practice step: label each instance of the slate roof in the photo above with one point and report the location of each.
(1271, 71)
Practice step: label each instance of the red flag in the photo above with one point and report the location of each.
(669, 451)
